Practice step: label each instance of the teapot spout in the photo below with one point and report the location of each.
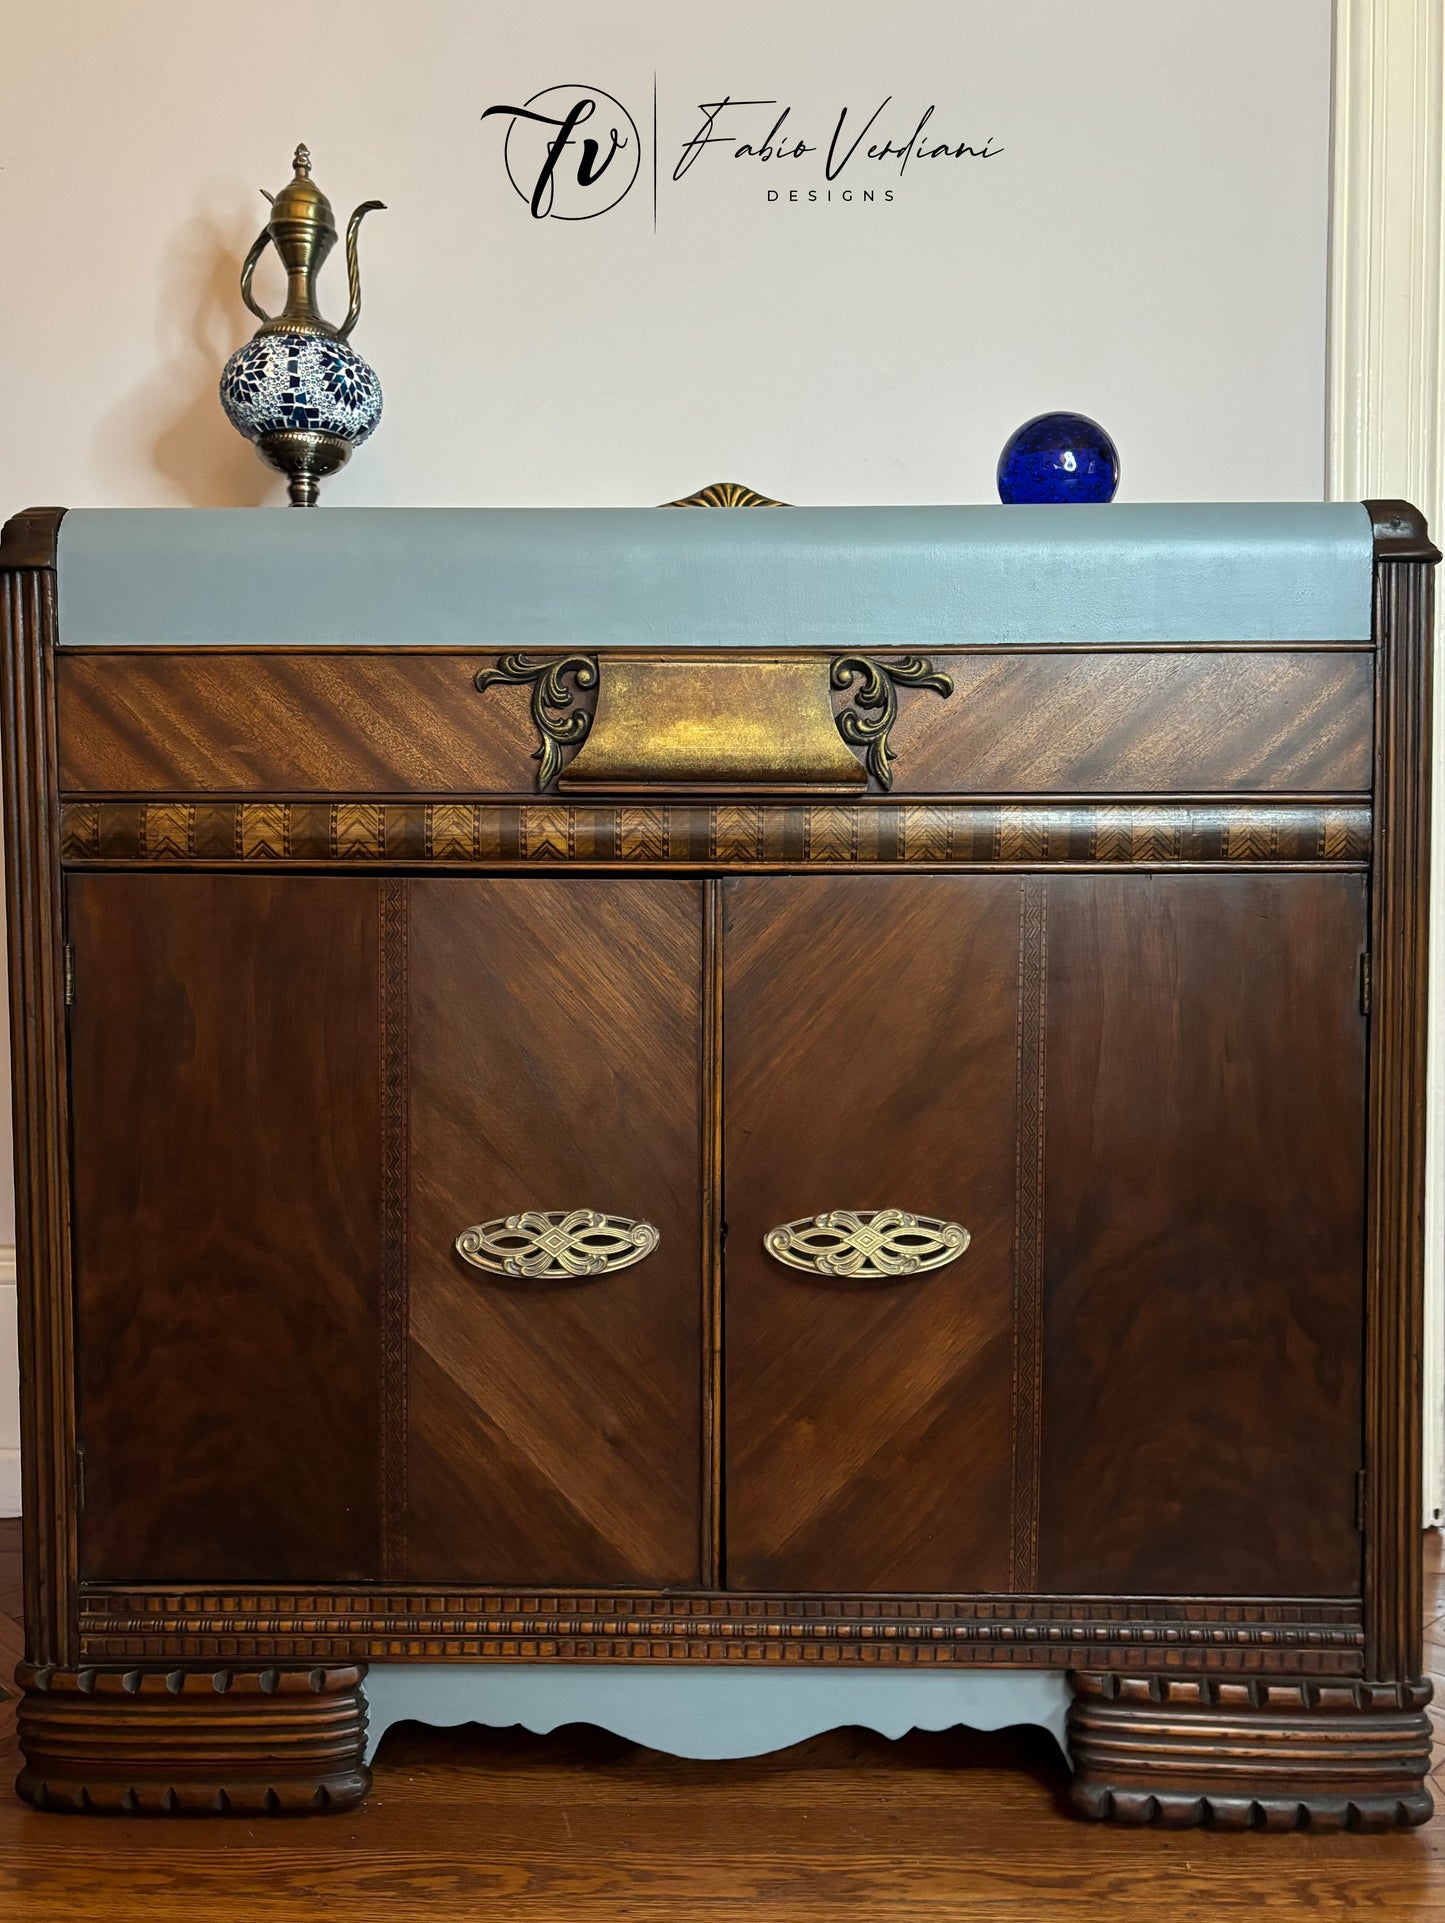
(353, 272)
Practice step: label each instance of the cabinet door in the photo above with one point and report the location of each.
(554, 1425)
(227, 1138)
(1144, 1096)
(1203, 1310)
(871, 1061)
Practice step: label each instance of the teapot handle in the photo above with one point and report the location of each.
(257, 249)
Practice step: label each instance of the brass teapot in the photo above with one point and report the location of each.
(297, 389)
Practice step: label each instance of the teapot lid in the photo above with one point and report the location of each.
(301, 199)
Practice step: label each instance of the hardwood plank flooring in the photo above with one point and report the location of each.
(586, 1828)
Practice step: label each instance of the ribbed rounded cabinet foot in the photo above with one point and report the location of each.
(1252, 1752)
(213, 1742)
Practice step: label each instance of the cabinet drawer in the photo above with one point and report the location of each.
(1019, 721)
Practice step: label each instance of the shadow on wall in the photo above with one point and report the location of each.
(173, 420)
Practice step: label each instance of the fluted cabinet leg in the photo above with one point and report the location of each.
(204, 1741)
(1256, 1751)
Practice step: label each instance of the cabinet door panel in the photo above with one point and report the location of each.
(554, 1427)
(224, 1067)
(871, 1060)
(1204, 1234)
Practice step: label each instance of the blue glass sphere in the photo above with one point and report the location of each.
(1058, 457)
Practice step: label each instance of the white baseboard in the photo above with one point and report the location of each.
(9, 1389)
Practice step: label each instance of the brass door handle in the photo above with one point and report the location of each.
(553, 1243)
(867, 1243)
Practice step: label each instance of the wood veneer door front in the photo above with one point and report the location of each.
(227, 1142)
(872, 1060)
(1144, 1095)
(1204, 1230)
(554, 1432)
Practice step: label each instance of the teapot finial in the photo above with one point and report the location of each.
(301, 161)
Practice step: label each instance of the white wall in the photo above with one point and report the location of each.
(1149, 246)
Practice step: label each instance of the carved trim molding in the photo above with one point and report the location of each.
(801, 834)
(1258, 1692)
(393, 933)
(1186, 1750)
(32, 822)
(1323, 1638)
(1026, 1383)
(29, 539)
(1397, 1194)
(218, 1742)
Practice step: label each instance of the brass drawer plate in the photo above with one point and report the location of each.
(714, 721)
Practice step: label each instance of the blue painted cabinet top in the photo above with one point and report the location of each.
(926, 577)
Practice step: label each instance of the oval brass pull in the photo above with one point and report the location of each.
(556, 1242)
(867, 1243)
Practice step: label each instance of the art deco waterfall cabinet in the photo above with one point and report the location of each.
(792, 1087)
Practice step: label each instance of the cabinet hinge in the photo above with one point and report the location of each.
(69, 974)
(1360, 1500)
(1364, 984)
(79, 1476)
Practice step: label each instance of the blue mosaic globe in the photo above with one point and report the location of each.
(279, 383)
(1058, 457)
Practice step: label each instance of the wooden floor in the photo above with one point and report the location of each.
(496, 1826)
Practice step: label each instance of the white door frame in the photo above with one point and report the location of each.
(1386, 427)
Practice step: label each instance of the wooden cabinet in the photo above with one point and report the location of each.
(335, 1048)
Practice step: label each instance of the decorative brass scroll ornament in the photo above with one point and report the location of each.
(556, 1243)
(725, 494)
(868, 1244)
(558, 722)
(867, 723)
